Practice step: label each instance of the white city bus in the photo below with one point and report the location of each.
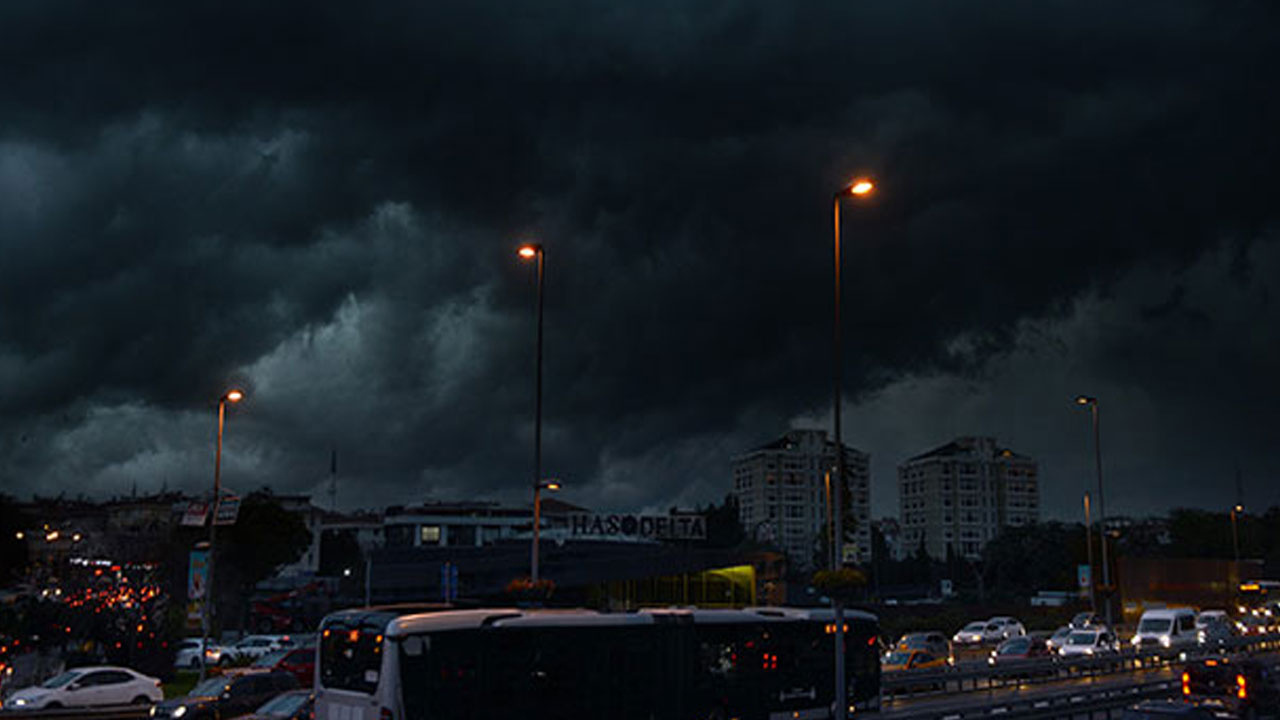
(497, 664)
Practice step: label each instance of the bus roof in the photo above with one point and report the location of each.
(820, 614)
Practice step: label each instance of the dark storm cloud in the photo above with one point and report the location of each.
(322, 200)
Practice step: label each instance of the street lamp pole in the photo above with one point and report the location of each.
(1235, 535)
(859, 188)
(1088, 541)
(231, 396)
(534, 251)
(1092, 402)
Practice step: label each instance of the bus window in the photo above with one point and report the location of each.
(439, 675)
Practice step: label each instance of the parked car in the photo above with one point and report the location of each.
(1094, 641)
(255, 646)
(1059, 636)
(912, 660)
(1020, 649)
(293, 705)
(89, 687)
(931, 642)
(224, 697)
(188, 653)
(1231, 688)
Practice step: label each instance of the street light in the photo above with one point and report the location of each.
(552, 485)
(232, 396)
(860, 188)
(1092, 404)
(532, 251)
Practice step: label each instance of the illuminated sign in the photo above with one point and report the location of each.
(656, 527)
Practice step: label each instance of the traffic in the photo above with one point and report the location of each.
(413, 662)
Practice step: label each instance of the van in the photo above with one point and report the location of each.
(1166, 628)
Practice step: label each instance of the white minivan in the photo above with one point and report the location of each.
(1166, 628)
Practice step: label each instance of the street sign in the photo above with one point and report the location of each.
(197, 574)
(195, 514)
(228, 511)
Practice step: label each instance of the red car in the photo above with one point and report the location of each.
(301, 663)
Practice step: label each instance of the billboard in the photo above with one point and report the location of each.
(197, 574)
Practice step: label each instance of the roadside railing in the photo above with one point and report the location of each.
(905, 683)
(1076, 703)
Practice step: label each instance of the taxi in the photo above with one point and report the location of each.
(911, 660)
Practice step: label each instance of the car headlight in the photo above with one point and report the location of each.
(20, 702)
(1088, 651)
(180, 711)
(1136, 641)
(1165, 641)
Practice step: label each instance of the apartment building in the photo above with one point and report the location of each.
(781, 493)
(961, 494)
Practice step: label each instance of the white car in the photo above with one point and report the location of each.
(255, 646)
(188, 654)
(970, 634)
(1002, 628)
(1090, 642)
(993, 630)
(89, 687)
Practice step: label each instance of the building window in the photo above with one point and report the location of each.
(429, 534)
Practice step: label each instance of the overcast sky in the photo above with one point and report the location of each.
(322, 203)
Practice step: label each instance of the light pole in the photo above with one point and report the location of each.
(551, 485)
(233, 396)
(1092, 403)
(1088, 541)
(534, 251)
(859, 188)
(1235, 535)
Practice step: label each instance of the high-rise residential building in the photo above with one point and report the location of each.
(781, 494)
(961, 495)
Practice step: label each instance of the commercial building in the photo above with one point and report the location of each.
(961, 494)
(781, 493)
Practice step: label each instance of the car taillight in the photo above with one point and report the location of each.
(1186, 683)
(1242, 688)
(386, 714)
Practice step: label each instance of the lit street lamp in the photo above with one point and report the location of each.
(534, 251)
(859, 188)
(232, 396)
(1092, 403)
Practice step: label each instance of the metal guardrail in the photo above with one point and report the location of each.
(116, 712)
(1077, 703)
(905, 683)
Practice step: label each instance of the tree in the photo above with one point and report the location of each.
(1025, 559)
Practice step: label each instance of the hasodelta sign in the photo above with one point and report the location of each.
(652, 527)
